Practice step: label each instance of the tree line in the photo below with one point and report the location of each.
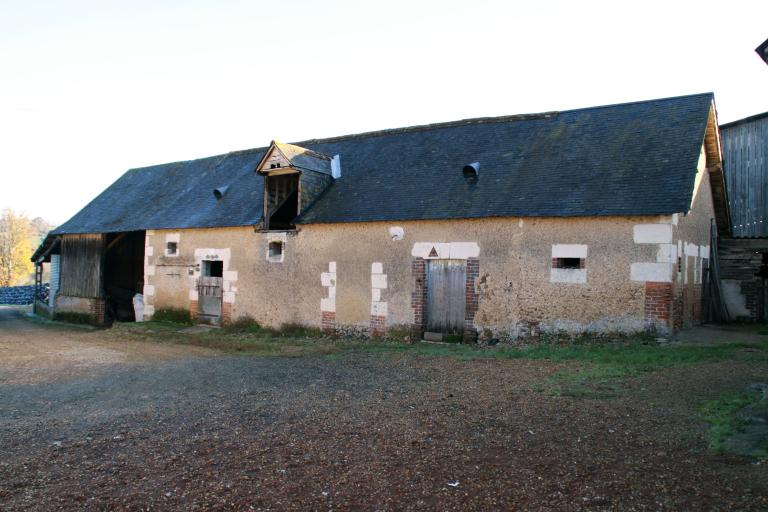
(19, 237)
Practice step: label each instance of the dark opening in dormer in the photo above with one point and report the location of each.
(282, 196)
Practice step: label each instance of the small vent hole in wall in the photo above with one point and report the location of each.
(171, 248)
(275, 251)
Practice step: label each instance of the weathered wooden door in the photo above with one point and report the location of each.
(209, 299)
(446, 304)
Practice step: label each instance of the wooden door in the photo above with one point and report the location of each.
(446, 288)
(209, 299)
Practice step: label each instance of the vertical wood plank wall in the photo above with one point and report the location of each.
(81, 265)
(745, 155)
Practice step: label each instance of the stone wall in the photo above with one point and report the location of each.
(17, 295)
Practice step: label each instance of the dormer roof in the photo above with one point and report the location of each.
(281, 155)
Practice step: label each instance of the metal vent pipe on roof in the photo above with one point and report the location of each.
(220, 192)
(471, 170)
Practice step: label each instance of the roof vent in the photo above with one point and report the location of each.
(336, 167)
(471, 170)
(220, 192)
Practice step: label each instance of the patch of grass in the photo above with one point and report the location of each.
(157, 326)
(723, 416)
(74, 318)
(175, 315)
(244, 324)
(599, 369)
(292, 330)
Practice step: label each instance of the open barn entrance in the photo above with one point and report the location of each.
(123, 273)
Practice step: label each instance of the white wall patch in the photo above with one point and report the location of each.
(379, 281)
(691, 249)
(442, 250)
(652, 233)
(568, 275)
(653, 272)
(328, 281)
(666, 253)
(396, 233)
(463, 250)
(569, 251)
(379, 308)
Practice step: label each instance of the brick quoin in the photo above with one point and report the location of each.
(226, 313)
(97, 308)
(419, 297)
(658, 305)
(328, 324)
(193, 310)
(378, 326)
(472, 300)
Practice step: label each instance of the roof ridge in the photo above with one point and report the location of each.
(432, 126)
(747, 119)
(486, 120)
(437, 126)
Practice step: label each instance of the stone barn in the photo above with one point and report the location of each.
(589, 220)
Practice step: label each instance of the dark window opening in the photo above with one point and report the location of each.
(282, 201)
(275, 251)
(213, 268)
(171, 248)
(568, 263)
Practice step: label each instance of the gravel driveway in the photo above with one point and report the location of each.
(186, 428)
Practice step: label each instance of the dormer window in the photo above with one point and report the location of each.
(293, 178)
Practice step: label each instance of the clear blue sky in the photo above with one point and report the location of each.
(90, 89)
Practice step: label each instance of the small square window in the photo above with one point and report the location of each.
(568, 263)
(171, 248)
(275, 252)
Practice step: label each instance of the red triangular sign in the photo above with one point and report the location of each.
(433, 253)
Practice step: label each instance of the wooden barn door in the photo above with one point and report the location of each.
(446, 288)
(209, 292)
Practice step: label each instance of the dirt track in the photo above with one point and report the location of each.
(38, 352)
(129, 425)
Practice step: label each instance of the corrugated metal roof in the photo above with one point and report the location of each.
(629, 159)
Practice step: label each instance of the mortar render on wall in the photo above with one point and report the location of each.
(513, 286)
(514, 290)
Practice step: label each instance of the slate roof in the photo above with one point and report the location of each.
(628, 159)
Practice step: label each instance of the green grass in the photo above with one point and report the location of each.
(723, 416)
(74, 318)
(597, 370)
(175, 315)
